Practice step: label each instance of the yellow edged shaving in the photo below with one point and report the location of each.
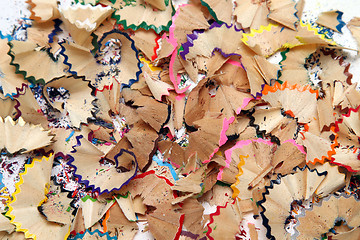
(20, 227)
(253, 31)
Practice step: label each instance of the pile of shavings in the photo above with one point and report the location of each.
(146, 119)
